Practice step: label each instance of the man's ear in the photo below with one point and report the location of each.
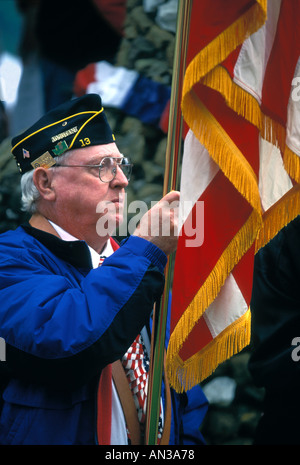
(42, 179)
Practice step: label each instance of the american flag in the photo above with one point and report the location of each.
(26, 153)
(240, 104)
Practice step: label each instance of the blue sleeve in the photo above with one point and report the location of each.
(64, 327)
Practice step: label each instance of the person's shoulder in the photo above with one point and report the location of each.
(14, 240)
(11, 236)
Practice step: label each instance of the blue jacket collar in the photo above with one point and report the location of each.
(74, 252)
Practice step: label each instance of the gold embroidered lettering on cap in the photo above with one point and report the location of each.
(45, 161)
(64, 134)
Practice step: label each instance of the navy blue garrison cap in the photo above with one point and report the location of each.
(75, 124)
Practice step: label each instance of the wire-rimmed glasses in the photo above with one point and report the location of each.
(108, 167)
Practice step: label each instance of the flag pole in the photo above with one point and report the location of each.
(170, 183)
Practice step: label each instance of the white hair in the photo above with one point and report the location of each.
(29, 192)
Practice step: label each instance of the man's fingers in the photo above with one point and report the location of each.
(171, 196)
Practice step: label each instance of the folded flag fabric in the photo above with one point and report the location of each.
(241, 164)
(125, 89)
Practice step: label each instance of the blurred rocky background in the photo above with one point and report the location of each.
(148, 48)
(235, 403)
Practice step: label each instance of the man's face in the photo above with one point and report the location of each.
(82, 199)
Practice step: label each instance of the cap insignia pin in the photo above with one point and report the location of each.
(45, 160)
(26, 153)
(60, 148)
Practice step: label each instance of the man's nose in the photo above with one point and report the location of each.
(120, 178)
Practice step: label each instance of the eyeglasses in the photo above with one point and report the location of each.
(108, 167)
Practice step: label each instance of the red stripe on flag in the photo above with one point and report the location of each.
(209, 19)
(243, 134)
(282, 63)
(230, 62)
(221, 203)
(199, 337)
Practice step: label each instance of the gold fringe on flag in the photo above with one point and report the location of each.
(291, 162)
(229, 342)
(205, 68)
(219, 48)
(222, 149)
(247, 106)
(204, 297)
(278, 216)
(244, 104)
(260, 227)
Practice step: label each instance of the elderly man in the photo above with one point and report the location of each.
(68, 322)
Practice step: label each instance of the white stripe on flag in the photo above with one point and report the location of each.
(256, 49)
(228, 306)
(192, 185)
(293, 115)
(274, 181)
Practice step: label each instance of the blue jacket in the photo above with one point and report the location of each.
(61, 321)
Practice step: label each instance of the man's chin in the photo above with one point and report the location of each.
(107, 225)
